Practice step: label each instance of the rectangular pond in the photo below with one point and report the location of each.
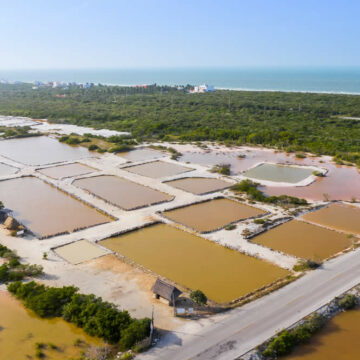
(121, 192)
(222, 274)
(45, 210)
(142, 154)
(40, 150)
(199, 186)
(278, 173)
(21, 329)
(158, 169)
(304, 240)
(68, 170)
(80, 251)
(6, 170)
(337, 216)
(212, 215)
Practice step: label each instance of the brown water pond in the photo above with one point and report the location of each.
(194, 262)
(142, 154)
(21, 329)
(337, 216)
(304, 240)
(40, 150)
(158, 169)
(199, 186)
(68, 170)
(338, 340)
(6, 170)
(45, 210)
(212, 215)
(121, 192)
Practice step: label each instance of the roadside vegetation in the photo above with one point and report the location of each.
(293, 122)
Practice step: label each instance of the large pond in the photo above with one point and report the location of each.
(278, 173)
(198, 185)
(158, 169)
(45, 210)
(21, 329)
(40, 150)
(194, 262)
(121, 192)
(6, 170)
(212, 215)
(339, 340)
(337, 216)
(68, 170)
(304, 240)
(142, 154)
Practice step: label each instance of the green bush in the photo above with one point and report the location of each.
(349, 301)
(198, 296)
(93, 147)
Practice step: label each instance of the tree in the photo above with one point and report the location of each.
(198, 296)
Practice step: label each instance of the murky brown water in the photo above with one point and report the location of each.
(158, 169)
(341, 182)
(304, 240)
(121, 192)
(194, 262)
(80, 251)
(212, 215)
(339, 340)
(68, 170)
(44, 209)
(278, 173)
(142, 154)
(199, 186)
(40, 150)
(20, 329)
(337, 216)
(7, 170)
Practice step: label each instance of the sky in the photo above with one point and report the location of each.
(72, 34)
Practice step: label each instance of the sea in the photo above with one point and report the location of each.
(344, 80)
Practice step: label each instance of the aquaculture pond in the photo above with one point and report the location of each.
(121, 192)
(304, 240)
(158, 169)
(6, 170)
(45, 210)
(337, 216)
(40, 150)
(338, 340)
(212, 215)
(279, 173)
(21, 329)
(222, 274)
(80, 251)
(68, 170)
(142, 154)
(199, 186)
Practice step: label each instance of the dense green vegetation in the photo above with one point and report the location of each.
(199, 297)
(291, 121)
(95, 316)
(251, 189)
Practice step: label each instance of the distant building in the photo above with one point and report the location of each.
(166, 291)
(203, 89)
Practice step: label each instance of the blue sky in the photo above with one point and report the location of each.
(40, 34)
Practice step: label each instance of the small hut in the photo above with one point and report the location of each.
(166, 291)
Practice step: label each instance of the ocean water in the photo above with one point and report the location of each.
(332, 80)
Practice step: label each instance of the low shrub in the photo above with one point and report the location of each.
(349, 301)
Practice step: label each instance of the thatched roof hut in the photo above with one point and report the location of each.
(166, 291)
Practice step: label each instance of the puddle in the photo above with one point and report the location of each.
(80, 251)
(142, 154)
(121, 192)
(337, 216)
(158, 169)
(199, 186)
(211, 215)
(40, 150)
(21, 329)
(338, 340)
(222, 274)
(45, 210)
(6, 170)
(278, 173)
(304, 240)
(68, 170)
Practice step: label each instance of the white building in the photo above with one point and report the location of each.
(203, 89)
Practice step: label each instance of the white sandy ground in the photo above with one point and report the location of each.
(107, 276)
